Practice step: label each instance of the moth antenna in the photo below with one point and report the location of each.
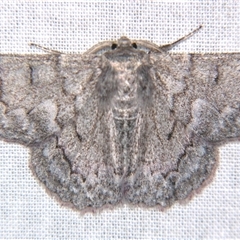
(45, 49)
(169, 46)
(100, 47)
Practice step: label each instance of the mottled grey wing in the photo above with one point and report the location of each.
(29, 97)
(79, 165)
(49, 103)
(195, 106)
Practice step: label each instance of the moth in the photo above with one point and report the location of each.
(127, 122)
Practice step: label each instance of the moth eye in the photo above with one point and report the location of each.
(114, 46)
(134, 45)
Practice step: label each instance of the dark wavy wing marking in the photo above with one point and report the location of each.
(195, 105)
(78, 164)
(46, 103)
(50, 103)
(28, 90)
(38, 94)
(216, 108)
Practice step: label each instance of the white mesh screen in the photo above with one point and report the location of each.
(26, 211)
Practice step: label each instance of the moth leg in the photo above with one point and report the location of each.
(45, 49)
(169, 46)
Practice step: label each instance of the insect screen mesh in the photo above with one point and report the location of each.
(26, 211)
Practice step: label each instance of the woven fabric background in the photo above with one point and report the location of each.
(26, 211)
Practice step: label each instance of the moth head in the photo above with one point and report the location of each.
(125, 42)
